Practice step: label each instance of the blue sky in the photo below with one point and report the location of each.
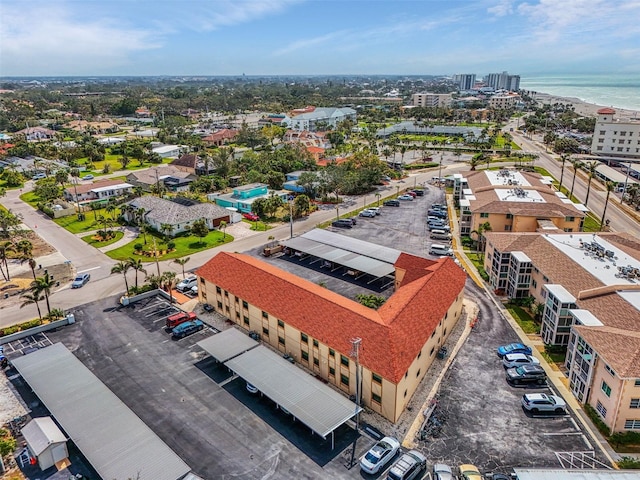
(272, 37)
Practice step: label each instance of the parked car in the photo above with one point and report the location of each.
(438, 206)
(252, 388)
(541, 402)
(405, 197)
(409, 466)
(512, 360)
(80, 280)
(442, 472)
(39, 176)
(367, 213)
(391, 203)
(174, 320)
(187, 328)
(187, 284)
(375, 210)
(439, 226)
(379, 455)
(513, 348)
(418, 192)
(437, 213)
(439, 249)
(342, 223)
(251, 216)
(469, 472)
(88, 177)
(412, 193)
(526, 374)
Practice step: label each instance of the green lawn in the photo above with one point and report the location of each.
(72, 224)
(115, 165)
(30, 198)
(591, 223)
(95, 243)
(258, 226)
(184, 246)
(525, 320)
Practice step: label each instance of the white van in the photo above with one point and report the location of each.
(439, 235)
(439, 249)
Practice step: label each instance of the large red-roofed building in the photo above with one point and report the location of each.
(315, 325)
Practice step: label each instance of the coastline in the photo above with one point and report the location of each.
(584, 108)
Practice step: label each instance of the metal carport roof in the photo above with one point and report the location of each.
(367, 249)
(227, 344)
(113, 439)
(341, 257)
(309, 400)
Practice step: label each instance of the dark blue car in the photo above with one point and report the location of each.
(513, 348)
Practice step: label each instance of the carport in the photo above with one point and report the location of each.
(357, 256)
(228, 344)
(316, 405)
(111, 437)
(573, 474)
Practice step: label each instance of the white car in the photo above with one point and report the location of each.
(541, 402)
(513, 360)
(187, 284)
(442, 472)
(379, 455)
(367, 213)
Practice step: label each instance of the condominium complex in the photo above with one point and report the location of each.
(502, 81)
(321, 118)
(615, 138)
(589, 285)
(441, 100)
(316, 326)
(465, 81)
(513, 201)
(503, 101)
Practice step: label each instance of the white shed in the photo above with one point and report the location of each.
(46, 443)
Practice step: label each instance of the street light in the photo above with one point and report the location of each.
(440, 172)
(337, 212)
(364, 202)
(378, 195)
(290, 218)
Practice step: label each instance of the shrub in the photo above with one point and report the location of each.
(629, 463)
(138, 247)
(7, 443)
(30, 324)
(107, 168)
(597, 421)
(483, 274)
(171, 245)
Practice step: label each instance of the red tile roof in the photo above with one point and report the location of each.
(391, 336)
(606, 111)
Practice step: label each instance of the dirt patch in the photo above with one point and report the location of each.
(61, 273)
(40, 247)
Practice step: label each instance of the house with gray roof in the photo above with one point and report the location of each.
(411, 128)
(180, 213)
(172, 178)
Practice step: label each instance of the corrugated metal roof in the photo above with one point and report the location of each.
(309, 400)
(42, 432)
(560, 474)
(114, 440)
(371, 250)
(228, 344)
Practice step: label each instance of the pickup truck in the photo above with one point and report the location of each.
(181, 317)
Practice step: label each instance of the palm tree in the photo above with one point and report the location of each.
(576, 165)
(591, 168)
(167, 229)
(43, 285)
(136, 265)
(480, 231)
(610, 187)
(563, 158)
(5, 248)
(32, 296)
(154, 280)
(122, 267)
(182, 262)
(223, 227)
(168, 282)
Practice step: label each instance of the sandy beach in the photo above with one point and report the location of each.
(585, 108)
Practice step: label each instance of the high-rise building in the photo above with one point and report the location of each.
(465, 81)
(442, 100)
(615, 138)
(502, 81)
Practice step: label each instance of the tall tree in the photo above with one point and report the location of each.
(480, 231)
(563, 158)
(169, 282)
(610, 188)
(136, 265)
(575, 165)
(122, 267)
(30, 297)
(591, 171)
(182, 262)
(43, 285)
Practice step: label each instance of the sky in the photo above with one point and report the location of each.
(334, 37)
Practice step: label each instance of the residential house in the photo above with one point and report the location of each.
(93, 127)
(173, 179)
(322, 118)
(220, 137)
(316, 326)
(291, 181)
(243, 197)
(102, 190)
(36, 134)
(187, 163)
(588, 284)
(179, 213)
(167, 151)
(513, 201)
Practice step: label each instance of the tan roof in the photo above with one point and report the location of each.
(91, 186)
(620, 349)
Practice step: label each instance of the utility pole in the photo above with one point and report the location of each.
(440, 171)
(290, 218)
(626, 180)
(355, 353)
(155, 255)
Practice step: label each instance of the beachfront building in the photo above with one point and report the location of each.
(316, 326)
(502, 81)
(504, 102)
(614, 138)
(513, 201)
(465, 81)
(431, 100)
(589, 286)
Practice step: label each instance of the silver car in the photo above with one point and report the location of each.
(513, 360)
(442, 472)
(541, 402)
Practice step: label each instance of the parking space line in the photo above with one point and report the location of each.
(587, 442)
(575, 425)
(561, 434)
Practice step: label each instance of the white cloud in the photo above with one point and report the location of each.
(311, 42)
(47, 38)
(502, 8)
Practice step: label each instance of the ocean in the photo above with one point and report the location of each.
(611, 90)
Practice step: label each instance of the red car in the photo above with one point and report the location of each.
(251, 216)
(412, 193)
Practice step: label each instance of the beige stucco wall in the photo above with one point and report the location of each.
(612, 402)
(520, 223)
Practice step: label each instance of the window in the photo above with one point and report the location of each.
(245, 304)
(418, 373)
(238, 315)
(635, 403)
(601, 410)
(332, 371)
(601, 140)
(226, 294)
(376, 398)
(602, 132)
(433, 349)
(344, 360)
(220, 305)
(332, 352)
(315, 343)
(509, 216)
(265, 331)
(227, 308)
(304, 338)
(376, 378)
(419, 353)
(610, 370)
(569, 219)
(305, 356)
(281, 323)
(484, 215)
(632, 424)
(202, 282)
(265, 314)
(316, 362)
(606, 389)
(507, 228)
(218, 290)
(405, 394)
(281, 340)
(344, 379)
(245, 319)
(637, 382)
